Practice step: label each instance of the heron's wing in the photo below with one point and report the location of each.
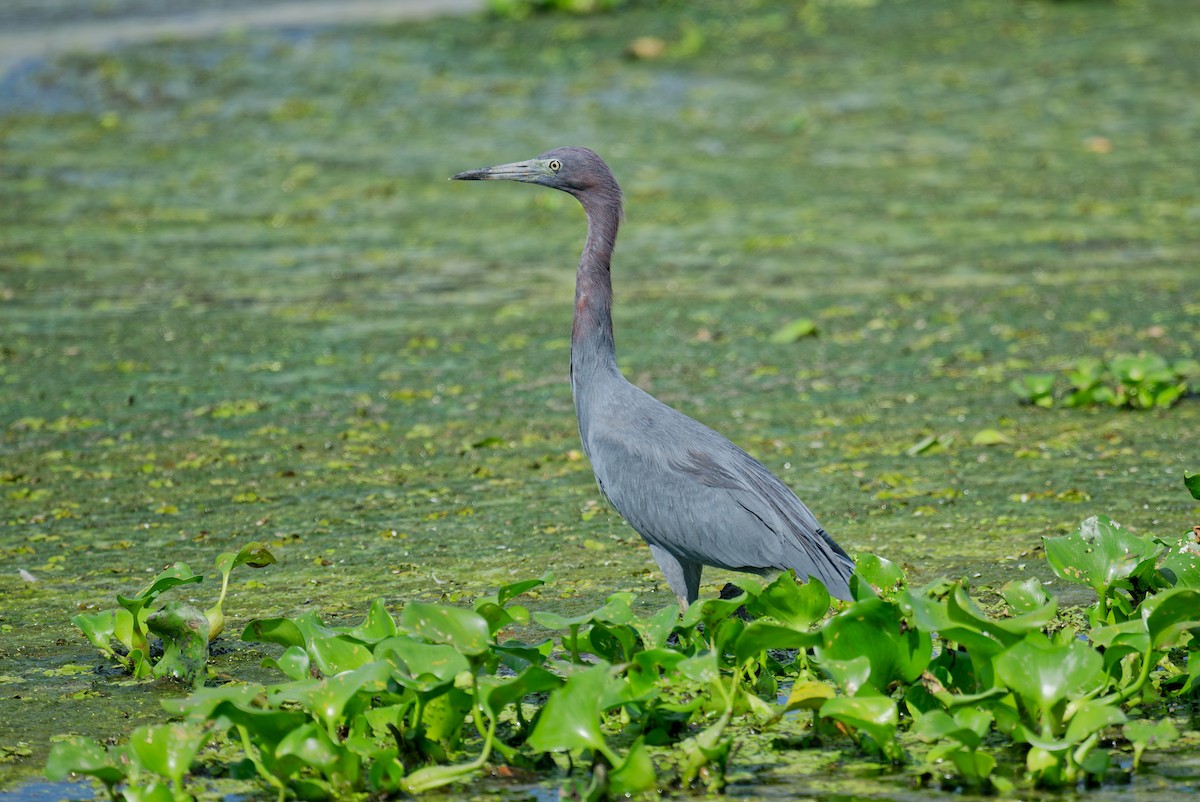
(780, 515)
(690, 491)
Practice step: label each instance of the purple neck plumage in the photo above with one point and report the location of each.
(592, 346)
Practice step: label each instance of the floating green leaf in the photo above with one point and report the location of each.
(874, 716)
(1192, 482)
(794, 331)
(465, 630)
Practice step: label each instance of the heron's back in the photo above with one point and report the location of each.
(690, 491)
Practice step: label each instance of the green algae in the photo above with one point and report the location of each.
(240, 301)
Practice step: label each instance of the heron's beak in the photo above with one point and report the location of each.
(517, 171)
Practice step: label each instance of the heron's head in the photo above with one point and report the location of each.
(578, 171)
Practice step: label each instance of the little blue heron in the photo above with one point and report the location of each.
(695, 497)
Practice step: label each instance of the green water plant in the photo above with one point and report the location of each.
(615, 703)
(1145, 381)
(122, 634)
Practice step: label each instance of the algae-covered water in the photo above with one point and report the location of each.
(239, 301)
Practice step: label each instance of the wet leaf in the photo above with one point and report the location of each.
(871, 629)
(874, 716)
(990, 437)
(466, 630)
(570, 721)
(884, 576)
(309, 745)
(1044, 675)
(184, 633)
(797, 604)
(82, 756)
(635, 774)
(796, 330)
(808, 695)
(168, 749)
(333, 654)
(283, 631)
(1099, 554)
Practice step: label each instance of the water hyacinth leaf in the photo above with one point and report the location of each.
(570, 721)
(934, 726)
(1171, 613)
(255, 555)
(1099, 554)
(443, 717)
(874, 716)
(796, 604)
(761, 635)
(712, 612)
(310, 745)
(173, 576)
(1181, 564)
(1043, 674)
(964, 613)
(268, 726)
(1090, 717)
(518, 655)
(294, 663)
(884, 576)
(657, 628)
(465, 630)
(1036, 388)
(635, 774)
(282, 631)
(82, 756)
(168, 749)
(99, 628)
(496, 693)
(1025, 596)
(499, 617)
(615, 610)
(808, 695)
(200, 704)
(418, 659)
(514, 589)
(703, 667)
(184, 632)
(973, 764)
(872, 629)
(852, 676)
(1143, 734)
(376, 626)
(615, 643)
(1191, 480)
(794, 331)
(648, 667)
(333, 654)
(329, 698)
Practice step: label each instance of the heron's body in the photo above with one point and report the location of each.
(696, 498)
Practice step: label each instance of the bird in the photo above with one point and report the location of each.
(694, 497)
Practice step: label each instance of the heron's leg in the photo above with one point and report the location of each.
(682, 575)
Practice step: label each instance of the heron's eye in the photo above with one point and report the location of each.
(555, 165)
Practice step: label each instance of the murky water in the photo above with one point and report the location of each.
(239, 300)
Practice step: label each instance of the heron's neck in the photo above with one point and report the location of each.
(593, 351)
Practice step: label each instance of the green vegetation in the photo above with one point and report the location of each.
(1139, 382)
(185, 630)
(239, 301)
(430, 699)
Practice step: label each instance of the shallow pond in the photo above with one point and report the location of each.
(239, 300)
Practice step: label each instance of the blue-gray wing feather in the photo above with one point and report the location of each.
(689, 490)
